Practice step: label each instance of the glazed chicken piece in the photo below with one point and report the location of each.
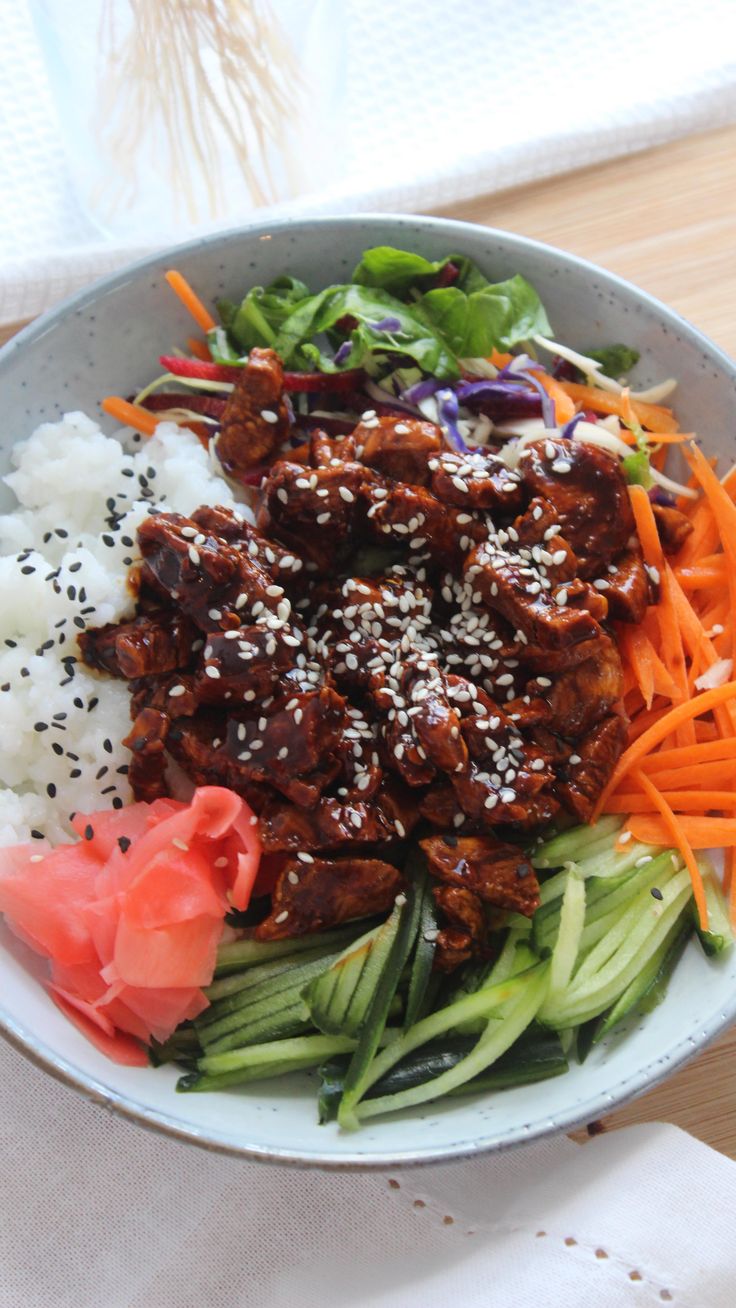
(595, 758)
(476, 480)
(323, 449)
(528, 593)
(399, 448)
(256, 420)
(282, 564)
(627, 587)
(587, 489)
(356, 818)
(295, 748)
(497, 873)
(147, 646)
(672, 526)
(583, 695)
(312, 510)
(323, 892)
(245, 664)
(411, 517)
(464, 927)
(147, 742)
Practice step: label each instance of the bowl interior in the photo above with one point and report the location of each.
(107, 340)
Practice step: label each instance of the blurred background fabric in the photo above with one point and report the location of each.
(431, 103)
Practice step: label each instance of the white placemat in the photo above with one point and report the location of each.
(442, 100)
(98, 1213)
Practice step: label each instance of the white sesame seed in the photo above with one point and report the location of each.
(36, 858)
(281, 917)
(543, 681)
(193, 555)
(575, 759)
(221, 862)
(212, 672)
(561, 465)
(561, 598)
(345, 494)
(623, 839)
(490, 801)
(322, 518)
(559, 557)
(180, 844)
(600, 583)
(305, 858)
(645, 858)
(282, 495)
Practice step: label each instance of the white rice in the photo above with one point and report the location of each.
(66, 476)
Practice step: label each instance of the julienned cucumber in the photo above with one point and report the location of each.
(719, 935)
(603, 945)
(535, 1056)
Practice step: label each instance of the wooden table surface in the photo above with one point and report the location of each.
(666, 220)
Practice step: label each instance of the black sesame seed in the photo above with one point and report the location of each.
(125, 540)
(66, 681)
(51, 790)
(46, 537)
(62, 640)
(100, 774)
(92, 703)
(82, 595)
(78, 703)
(73, 757)
(79, 622)
(107, 745)
(123, 770)
(5, 685)
(40, 726)
(28, 569)
(48, 644)
(108, 790)
(75, 772)
(11, 644)
(107, 540)
(89, 831)
(110, 504)
(74, 567)
(127, 560)
(71, 592)
(128, 472)
(117, 802)
(62, 532)
(59, 717)
(57, 748)
(124, 843)
(656, 893)
(60, 623)
(37, 835)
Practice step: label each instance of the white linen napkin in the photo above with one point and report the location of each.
(440, 100)
(99, 1213)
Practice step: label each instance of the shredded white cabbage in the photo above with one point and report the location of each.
(716, 675)
(593, 372)
(479, 368)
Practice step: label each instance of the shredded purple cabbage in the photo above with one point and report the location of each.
(501, 401)
(343, 352)
(659, 496)
(569, 428)
(386, 325)
(421, 390)
(517, 366)
(447, 403)
(548, 404)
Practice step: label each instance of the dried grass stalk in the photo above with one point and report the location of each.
(193, 80)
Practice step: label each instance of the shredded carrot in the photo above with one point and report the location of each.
(676, 828)
(659, 730)
(693, 778)
(730, 880)
(564, 406)
(199, 349)
(131, 415)
(680, 801)
(700, 832)
(652, 416)
(499, 359)
(693, 756)
(180, 286)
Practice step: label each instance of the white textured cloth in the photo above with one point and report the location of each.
(440, 100)
(97, 1213)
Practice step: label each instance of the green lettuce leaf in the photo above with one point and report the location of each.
(414, 338)
(498, 316)
(636, 469)
(259, 317)
(615, 360)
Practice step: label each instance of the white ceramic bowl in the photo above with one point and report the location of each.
(106, 340)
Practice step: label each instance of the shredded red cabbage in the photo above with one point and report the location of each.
(569, 427)
(343, 352)
(421, 390)
(386, 325)
(448, 406)
(501, 401)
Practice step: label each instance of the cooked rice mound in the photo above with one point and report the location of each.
(65, 552)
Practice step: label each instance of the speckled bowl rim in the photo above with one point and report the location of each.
(645, 1077)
